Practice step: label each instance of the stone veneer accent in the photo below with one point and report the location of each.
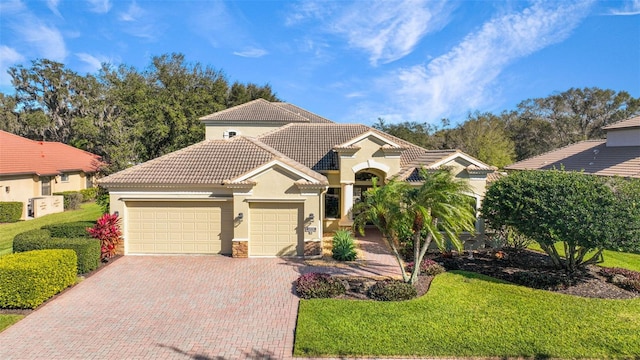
(312, 248)
(240, 249)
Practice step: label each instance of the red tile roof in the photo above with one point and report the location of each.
(19, 155)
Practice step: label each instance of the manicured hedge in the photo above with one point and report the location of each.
(87, 250)
(72, 199)
(28, 279)
(89, 194)
(10, 211)
(22, 242)
(70, 230)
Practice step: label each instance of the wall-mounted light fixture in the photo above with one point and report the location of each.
(311, 217)
(116, 213)
(7, 189)
(240, 216)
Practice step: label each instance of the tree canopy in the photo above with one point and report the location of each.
(125, 115)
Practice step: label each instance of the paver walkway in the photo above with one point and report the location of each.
(178, 307)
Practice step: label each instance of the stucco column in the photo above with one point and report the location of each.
(347, 203)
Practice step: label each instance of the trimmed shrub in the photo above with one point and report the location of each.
(28, 279)
(427, 267)
(31, 240)
(344, 247)
(89, 194)
(70, 230)
(87, 250)
(10, 211)
(392, 290)
(72, 199)
(318, 286)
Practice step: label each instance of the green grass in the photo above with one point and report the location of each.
(611, 258)
(8, 320)
(466, 315)
(88, 212)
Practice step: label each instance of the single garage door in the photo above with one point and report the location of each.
(179, 227)
(276, 229)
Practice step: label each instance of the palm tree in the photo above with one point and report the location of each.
(436, 210)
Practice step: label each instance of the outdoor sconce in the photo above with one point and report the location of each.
(116, 213)
(311, 217)
(240, 216)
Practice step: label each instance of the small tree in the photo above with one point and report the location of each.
(107, 230)
(435, 211)
(577, 210)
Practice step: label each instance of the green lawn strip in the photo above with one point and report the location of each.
(466, 314)
(611, 258)
(8, 320)
(87, 212)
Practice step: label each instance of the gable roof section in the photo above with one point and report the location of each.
(209, 162)
(633, 122)
(434, 159)
(258, 110)
(592, 156)
(312, 144)
(313, 118)
(20, 155)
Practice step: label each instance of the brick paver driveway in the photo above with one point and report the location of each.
(166, 307)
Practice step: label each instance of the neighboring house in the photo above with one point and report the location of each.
(618, 155)
(34, 169)
(268, 180)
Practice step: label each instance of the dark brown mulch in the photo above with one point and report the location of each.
(82, 277)
(535, 270)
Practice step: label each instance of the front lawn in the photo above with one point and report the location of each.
(87, 212)
(466, 314)
(7, 320)
(611, 258)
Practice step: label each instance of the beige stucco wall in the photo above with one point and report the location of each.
(77, 181)
(19, 188)
(215, 130)
(371, 154)
(623, 137)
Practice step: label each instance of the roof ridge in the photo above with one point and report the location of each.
(289, 111)
(310, 112)
(234, 107)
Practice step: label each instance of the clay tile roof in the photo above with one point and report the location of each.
(313, 118)
(633, 122)
(313, 144)
(258, 110)
(592, 156)
(207, 162)
(20, 155)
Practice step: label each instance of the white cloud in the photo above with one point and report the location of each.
(133, 13)
(53, 6)
(93, 63)
(47, 40)
(8, 58)
(464, 78)
(629, 8)
(251, 53)
(386, 30)
(100, 6)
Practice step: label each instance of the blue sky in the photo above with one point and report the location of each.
(350, 61)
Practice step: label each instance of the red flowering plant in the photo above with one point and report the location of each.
(107, 230)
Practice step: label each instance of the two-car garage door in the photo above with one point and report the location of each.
(179, 227)
(206, 227)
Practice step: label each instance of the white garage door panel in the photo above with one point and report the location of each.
(275, 229)
(176, 228)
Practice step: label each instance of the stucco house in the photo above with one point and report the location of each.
(269, 179)
(617, 155)
(36, 169)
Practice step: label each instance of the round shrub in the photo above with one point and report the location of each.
(344, 247)
(10, 211)
(427, 267)
(318, 286)
(392, 290)
(31, 240)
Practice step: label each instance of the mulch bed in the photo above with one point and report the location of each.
(535, 270)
